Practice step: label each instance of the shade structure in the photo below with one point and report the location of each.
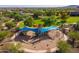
(43, 29)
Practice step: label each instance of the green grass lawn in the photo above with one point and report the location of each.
(73, 19)
(38, 22)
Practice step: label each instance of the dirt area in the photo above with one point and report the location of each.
(41, 45)
(45, 42)
(75, 50)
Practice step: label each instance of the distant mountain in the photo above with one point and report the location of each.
(72, 6)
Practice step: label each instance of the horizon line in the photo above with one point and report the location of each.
(33, 6)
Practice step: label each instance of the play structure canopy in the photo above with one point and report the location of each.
(43, 29)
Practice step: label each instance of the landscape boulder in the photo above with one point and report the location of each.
(30, 34)
(55, 34)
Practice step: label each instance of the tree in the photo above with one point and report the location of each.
(74, 36)
(64, 47)
(76, 26)
(64, 16)
(29, 21)
(10, 25)
(16, 15)
(21, 24)
(49, 12)
(4, 34)
(38, 13)
(50, 22)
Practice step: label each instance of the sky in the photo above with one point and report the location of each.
(39, 2)
(32, 5)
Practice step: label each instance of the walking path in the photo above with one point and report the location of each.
(40, 51)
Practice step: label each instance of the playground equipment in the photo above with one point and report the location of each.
(38, 30)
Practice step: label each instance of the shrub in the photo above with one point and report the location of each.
(12, 47)
(74, 35)
(64, 47)
(4, 34)
(10, 24)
